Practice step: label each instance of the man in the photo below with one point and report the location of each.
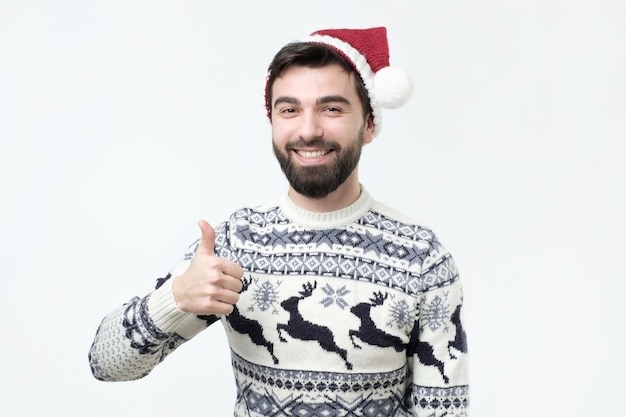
(334, 304)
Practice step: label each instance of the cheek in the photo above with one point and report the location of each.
(281, 132)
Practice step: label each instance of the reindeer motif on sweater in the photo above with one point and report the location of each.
(266, 333)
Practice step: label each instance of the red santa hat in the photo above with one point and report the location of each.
(368, 52)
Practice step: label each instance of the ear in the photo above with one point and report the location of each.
(368, 132)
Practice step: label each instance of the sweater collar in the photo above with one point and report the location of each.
(328, 220)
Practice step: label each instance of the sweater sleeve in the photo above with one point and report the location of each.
(438, 349)
(134, 338)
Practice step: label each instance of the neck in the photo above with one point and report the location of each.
(342, 197)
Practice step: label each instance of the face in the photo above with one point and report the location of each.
(318, 128)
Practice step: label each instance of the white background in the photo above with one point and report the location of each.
(124, 122)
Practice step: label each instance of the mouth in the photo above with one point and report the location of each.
(312, 154)
(312, 157)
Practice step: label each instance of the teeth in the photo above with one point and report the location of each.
(312, 154)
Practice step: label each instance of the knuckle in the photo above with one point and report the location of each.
(211, 292)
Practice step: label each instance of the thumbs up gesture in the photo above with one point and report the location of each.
(211, 284)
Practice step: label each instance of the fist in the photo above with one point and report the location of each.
(211, 284)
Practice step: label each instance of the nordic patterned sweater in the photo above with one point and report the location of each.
(350, 313)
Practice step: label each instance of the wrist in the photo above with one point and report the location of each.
(163, 308)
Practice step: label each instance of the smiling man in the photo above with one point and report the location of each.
(333, 303)
(319, 127)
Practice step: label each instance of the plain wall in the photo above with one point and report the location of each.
(124, 122)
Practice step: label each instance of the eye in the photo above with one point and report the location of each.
(287, 110)
(332, 109)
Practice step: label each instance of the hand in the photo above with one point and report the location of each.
(211, 284)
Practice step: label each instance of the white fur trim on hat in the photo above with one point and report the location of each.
(390, 87)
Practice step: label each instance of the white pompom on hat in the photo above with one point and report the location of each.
(367, 51)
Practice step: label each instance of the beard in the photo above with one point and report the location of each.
(318, 181)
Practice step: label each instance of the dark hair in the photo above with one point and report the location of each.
(312, 55)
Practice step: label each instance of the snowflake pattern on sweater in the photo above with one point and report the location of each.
(358, 313)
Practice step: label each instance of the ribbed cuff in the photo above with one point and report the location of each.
(168, 317)
(163, 310)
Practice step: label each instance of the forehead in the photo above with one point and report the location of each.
(301, 81)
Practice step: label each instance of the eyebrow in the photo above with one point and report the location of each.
(322, 100)
(333, 99)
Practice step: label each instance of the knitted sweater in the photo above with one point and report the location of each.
(356, 312)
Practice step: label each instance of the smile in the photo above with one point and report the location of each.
(313, 154)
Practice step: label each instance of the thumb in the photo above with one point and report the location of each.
(207, 242)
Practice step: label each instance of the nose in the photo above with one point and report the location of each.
(310, 127)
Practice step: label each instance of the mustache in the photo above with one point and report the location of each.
(313, 143)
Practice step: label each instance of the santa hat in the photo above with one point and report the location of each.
(367, 51)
